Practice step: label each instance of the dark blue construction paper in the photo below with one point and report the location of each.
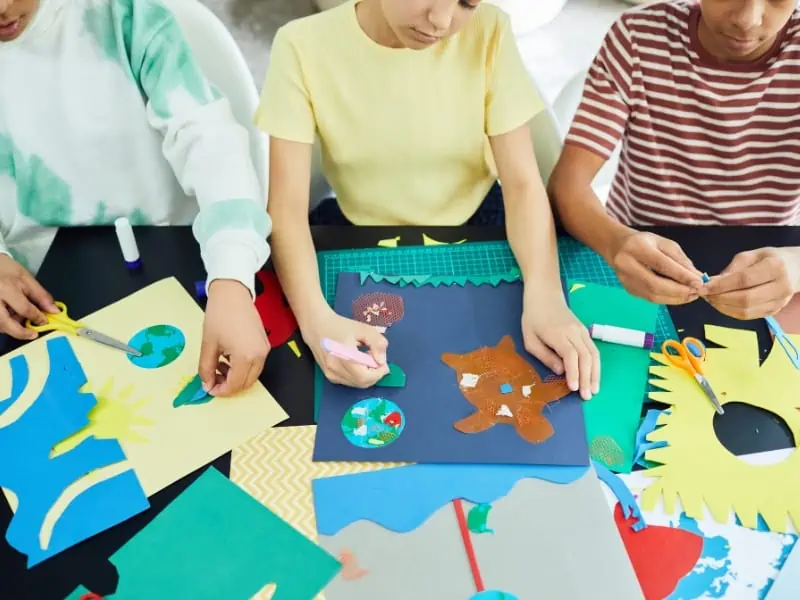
(402, 499)
(437, 320)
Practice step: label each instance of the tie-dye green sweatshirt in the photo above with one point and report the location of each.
(104, 113)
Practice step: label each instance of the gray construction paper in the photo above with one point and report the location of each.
(556, 542)
(428, 563)
(550, 542)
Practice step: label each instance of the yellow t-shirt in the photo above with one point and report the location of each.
(403, 132)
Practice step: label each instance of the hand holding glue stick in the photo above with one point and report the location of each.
(623, 336)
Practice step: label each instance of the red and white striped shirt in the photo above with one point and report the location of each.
(703, 143)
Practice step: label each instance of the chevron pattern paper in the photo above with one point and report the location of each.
(275, 468)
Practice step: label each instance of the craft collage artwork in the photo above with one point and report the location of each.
(469, 472)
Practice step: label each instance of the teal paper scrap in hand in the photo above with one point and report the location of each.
(215, 541)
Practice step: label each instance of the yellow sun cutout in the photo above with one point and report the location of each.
(115, 416)
(695, 466)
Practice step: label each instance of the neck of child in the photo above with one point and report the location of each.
(372, 20)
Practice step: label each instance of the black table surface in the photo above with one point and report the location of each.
(84, 269)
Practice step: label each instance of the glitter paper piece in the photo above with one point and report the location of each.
(498, 365)
(378, 309)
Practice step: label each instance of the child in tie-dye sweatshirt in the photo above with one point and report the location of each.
(104, 113)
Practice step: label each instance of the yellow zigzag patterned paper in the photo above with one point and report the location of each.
(695, 466)
(275, 468)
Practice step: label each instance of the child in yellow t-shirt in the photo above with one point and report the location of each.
(414, 103)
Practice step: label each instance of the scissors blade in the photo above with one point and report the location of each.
(710, 393)
(107, 340)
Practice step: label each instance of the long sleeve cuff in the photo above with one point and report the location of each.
(235, 255)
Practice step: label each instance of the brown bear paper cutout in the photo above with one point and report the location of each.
(482, 374)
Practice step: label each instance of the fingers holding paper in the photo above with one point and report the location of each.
(235, 344)
(756, 284)
(557, 338)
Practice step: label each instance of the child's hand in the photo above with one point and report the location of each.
(756, 284)
(21, 297)
(233, 329)
(655, 268)
(556, 337)
(350, 333)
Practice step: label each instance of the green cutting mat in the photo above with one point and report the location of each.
(476, 258)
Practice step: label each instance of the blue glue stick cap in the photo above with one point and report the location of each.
(200, 289)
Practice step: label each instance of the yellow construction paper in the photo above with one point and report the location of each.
(695, 467)
(429, 241)
(389, 242)
(276, 468)
(135, 405)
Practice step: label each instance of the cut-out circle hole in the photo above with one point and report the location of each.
(160, 345)
(373, 423)
(748, 429)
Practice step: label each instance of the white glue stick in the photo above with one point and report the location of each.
(620, 335)
(127, 242)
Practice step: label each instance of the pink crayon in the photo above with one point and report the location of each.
(347, 353)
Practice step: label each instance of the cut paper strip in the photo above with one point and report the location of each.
(614, 413)
(402, 499)
(214, 538)
(396, 378)
(389, 242)
(583, 552)
(627, 501)
(451, 320)
(56, 504)
(179, 440)
(695, 466)
(440, 280)
(787, 585)
(275, 468)
(498, 397)
(648, 424)
(429, 241)
(192, 393)
(661, 556)
(273, 308)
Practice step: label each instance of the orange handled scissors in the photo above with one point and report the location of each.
(62, 322)
(689, 355)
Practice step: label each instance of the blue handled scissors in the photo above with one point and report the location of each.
(689, 355)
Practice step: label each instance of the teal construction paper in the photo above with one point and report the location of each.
(37, 481)
(214, 542)
(401, 499)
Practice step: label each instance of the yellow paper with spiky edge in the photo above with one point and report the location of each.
(695, 467)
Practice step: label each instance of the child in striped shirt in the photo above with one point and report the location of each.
(104, 113)
(703, 95)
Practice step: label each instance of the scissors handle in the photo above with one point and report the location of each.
(59, 321)
(688, 354)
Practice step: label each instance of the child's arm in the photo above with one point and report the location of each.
(648, 265)
(207, 149)
(551, 332)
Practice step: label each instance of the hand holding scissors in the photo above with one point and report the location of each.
(61, 321)
(689, 355)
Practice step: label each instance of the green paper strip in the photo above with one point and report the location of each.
(215, 541)
(439, 280)
(613, 415)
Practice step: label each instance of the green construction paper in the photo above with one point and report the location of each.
(437, 280)
(396, 377)
(216, 541)
(613, 415)
(193, 393)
